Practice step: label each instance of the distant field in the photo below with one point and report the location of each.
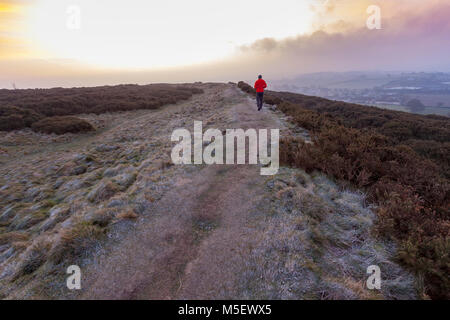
(349, 80)
(434, 104)
(436, 101)
(442, 111)
(358, 83)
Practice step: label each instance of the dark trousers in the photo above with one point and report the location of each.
(259, 99)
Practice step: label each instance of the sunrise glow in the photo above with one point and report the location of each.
(155, 34)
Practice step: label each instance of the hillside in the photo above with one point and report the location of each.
(400, 160)
(111, 201)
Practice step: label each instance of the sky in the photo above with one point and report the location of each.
(50, 43)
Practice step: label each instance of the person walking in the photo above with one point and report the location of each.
(260, 85)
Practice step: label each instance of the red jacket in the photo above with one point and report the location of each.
(260, 85)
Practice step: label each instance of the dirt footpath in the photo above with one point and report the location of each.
(199, 235)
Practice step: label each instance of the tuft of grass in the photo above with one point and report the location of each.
(15, 236)
(101, 217)
(34, 258)
(127, 215)
(50, 203)
(314, 207)
(103, 191)
(76, 241)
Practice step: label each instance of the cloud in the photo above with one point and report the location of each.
(413, 39)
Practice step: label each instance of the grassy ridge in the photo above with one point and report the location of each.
(400, 159)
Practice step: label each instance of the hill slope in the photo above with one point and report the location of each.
(141, 228)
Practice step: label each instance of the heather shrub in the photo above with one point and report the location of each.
(246, 87)
(271, 100)
(412, 196)
(11, 122)
(397, 125)
(307, 119)
(392, 155)
(61, 125)
(13, 118)
(423, 237)
(438, 151)
(22, 108)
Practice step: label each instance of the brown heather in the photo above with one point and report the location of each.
(400, 159)
(44, 110)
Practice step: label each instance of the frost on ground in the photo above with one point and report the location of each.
(317, 244)
(139, 227)
(60, 196)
